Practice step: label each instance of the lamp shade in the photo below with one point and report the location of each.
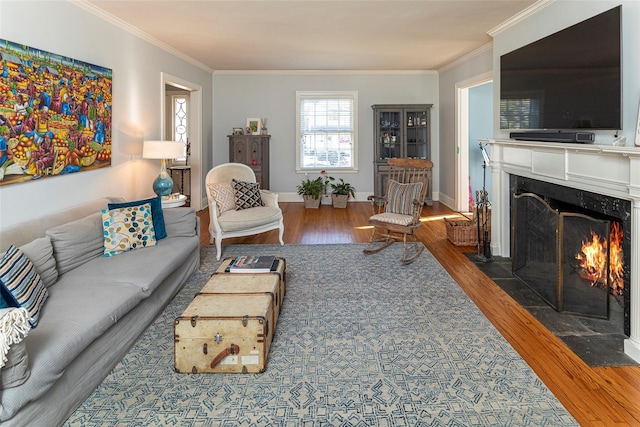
(162, 149)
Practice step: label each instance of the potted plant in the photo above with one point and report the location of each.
(311, 191)
(341, 192)
(326, 180)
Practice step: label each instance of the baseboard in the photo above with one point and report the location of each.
(632, 349)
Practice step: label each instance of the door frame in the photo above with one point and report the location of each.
(195, 130)
(462, 138)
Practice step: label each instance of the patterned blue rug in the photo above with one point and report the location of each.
(361, 341)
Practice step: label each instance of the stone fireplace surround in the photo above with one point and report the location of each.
(607, 170)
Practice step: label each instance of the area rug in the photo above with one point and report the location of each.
(361, 341)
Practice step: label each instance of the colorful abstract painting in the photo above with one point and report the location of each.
(55, 114)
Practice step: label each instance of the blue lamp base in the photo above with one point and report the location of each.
(163, 184)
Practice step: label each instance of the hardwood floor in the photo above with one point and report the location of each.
(607, 396)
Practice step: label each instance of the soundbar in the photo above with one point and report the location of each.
(558, 136)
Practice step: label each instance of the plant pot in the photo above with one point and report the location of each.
(326, 199)
(339, 200)
(311, 203)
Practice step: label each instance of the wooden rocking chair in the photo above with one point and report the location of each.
(397, 215)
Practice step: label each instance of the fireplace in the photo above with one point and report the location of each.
(568, 246)
(602, 182)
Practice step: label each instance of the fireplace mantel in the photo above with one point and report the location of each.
(608, 170)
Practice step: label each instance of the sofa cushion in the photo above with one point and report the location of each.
(76, 314)
(156, 211)
(40, 252)
(248, 218)
(180, 222)
(21, 284)
(247, 195)
(127, 228)
(223, 194)
(76, 242)
(16, 369)
(157, 263)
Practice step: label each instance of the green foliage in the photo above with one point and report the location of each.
(343, 188)
(311, 187)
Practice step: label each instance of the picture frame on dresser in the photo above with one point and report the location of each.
(237, 131)
(254, 125)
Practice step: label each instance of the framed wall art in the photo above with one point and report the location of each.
(55, 114)
(254, 126)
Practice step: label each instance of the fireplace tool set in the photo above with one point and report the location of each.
(482, 212)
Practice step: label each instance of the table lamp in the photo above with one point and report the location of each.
(163, 150)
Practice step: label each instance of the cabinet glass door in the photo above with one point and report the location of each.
(389, 142)
(417, 128)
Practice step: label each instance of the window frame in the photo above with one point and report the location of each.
(305, 95)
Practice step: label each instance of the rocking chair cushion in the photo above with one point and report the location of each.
(393, 218)
(400, 197)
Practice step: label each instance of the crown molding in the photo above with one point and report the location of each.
(328, 72)
(482, 49)
(531, 10)
(94, 10)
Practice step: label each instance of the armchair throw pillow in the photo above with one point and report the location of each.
(247, 195)
(223, 194)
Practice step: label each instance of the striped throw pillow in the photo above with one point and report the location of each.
(21, 283)
(400, 197)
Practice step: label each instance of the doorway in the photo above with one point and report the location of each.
(192, 94)
(474, 112)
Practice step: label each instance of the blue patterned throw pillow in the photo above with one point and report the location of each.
(156, 211)
(128, 228)
(21, 284)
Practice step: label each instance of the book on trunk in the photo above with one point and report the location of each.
(253, 264)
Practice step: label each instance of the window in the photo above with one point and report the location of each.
(326, 131)
(179, 122)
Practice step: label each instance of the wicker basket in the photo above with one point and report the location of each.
(339, 200)
(462, 232)
(311, 203)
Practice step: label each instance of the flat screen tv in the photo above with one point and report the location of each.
(568, 80)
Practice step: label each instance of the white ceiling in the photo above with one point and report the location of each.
(314, 34)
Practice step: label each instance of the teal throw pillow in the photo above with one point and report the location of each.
(128, 228)
(21, 284)
(156, 211)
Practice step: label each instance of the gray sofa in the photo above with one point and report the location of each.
(97, 307)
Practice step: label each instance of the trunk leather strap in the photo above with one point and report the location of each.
(233, 349)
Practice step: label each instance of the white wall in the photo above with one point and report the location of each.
(475, 66)
(239, 95)
(63, 28)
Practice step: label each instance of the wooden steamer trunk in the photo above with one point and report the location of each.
(248, 284)
(280, 272)
(224, 334)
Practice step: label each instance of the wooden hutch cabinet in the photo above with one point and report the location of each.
(400, 130)
(253, 151)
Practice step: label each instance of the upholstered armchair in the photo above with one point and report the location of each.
(237, 207)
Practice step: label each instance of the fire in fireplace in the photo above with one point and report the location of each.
(571, 247)
(595, 258)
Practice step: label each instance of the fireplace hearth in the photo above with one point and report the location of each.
(564, 244)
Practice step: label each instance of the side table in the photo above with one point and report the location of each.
(173, 201)
(182, 169)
